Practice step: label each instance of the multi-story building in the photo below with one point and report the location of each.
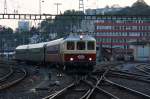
(116, 31)
(89, 25)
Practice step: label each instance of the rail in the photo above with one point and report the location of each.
(7, 75)
(97, 83)
(128, 89)
(141, 68)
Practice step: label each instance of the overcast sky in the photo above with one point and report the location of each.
(32, 6)
(48, 7)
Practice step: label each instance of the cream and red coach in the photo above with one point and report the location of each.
(75, 51)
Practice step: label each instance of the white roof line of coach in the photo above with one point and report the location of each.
(39, 45)
(54, 42)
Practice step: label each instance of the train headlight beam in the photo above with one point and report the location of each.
(71, 59)
(90, 59)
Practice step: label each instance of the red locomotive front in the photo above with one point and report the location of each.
(80, 57)
(80, 52)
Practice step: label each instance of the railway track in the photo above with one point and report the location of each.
(128, 73)
(118, 91)
(139, 74)
(5, 72)
(99, 86)
(97, 92)
(121, 91)
(11, 79)
(84, 88)
(143, 68)
(142, 87)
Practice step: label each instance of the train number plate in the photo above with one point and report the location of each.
(81, 57)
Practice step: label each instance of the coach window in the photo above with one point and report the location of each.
(70, 45)
(90, 45)
(81, 45)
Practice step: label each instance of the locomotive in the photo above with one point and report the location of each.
(73, 52)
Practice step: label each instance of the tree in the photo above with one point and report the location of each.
(138, 8)
(6, 38)
(63, 23)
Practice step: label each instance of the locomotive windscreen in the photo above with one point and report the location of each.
(91, 45)
(70, 45)
(80, 45)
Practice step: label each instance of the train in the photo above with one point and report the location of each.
(76, 52)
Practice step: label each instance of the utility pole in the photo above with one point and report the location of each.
(5, 7)
(40, 6)
(58, 4)
(81, 5)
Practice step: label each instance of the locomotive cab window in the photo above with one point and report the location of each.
(90, 45)
(70, 45)
(81, 45)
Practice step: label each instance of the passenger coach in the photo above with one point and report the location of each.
(72, 52)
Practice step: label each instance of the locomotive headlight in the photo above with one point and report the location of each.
(81, 37)
(90, 59)
(71, 59)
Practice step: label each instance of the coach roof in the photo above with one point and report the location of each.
(22, 47)
(55, 42)
(39, 45)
